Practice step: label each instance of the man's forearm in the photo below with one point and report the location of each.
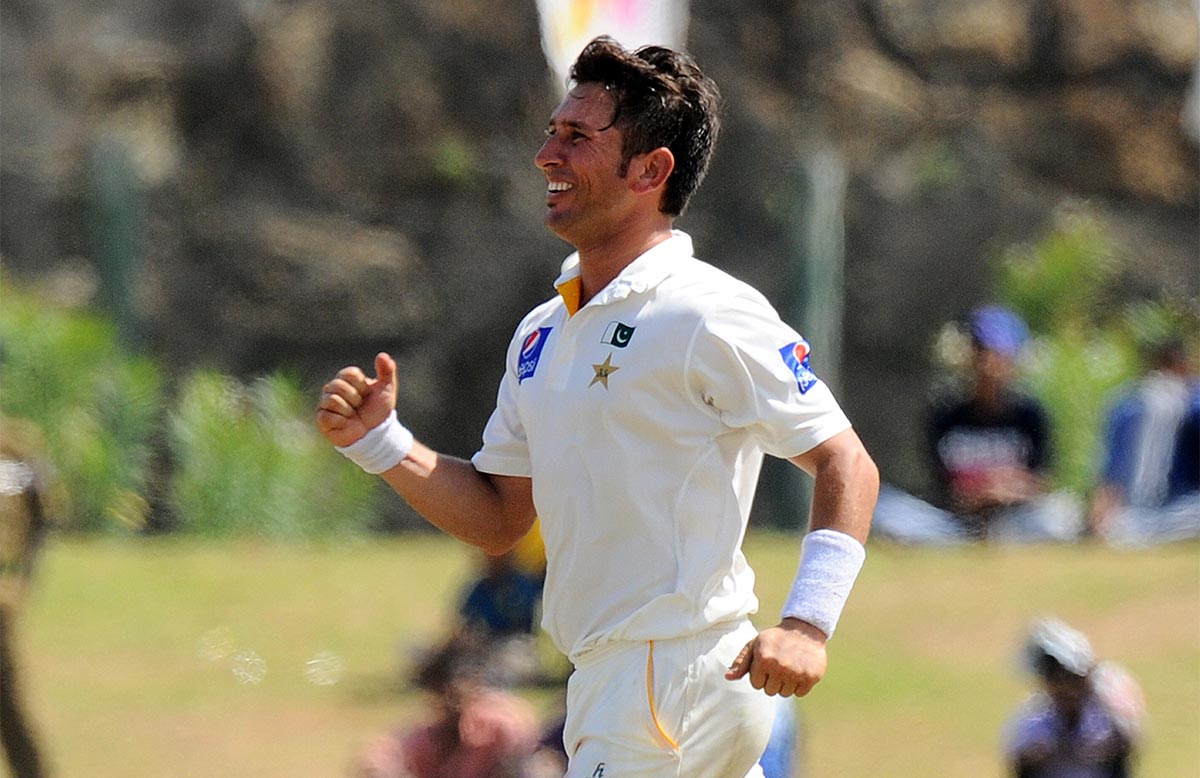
(845, 488)
(486, 511)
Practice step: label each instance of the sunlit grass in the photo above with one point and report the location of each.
(118, 637)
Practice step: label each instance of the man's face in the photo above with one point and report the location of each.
(586, 197)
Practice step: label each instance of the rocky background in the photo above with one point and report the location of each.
(257, 184)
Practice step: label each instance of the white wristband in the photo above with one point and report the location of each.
(382, 448)
(829, 563)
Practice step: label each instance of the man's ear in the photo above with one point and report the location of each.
(651, 170)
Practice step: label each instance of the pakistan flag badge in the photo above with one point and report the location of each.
(618, 334)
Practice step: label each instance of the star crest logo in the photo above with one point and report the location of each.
(603, 371)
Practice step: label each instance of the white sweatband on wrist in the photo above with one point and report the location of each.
(382, 448)
(829, 563)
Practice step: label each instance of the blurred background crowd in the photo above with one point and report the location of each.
(982, 213)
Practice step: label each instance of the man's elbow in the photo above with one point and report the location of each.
(867, 471)
(855, 464)
(860, 489)
(497, 545)
(857, 474)
(505, 535)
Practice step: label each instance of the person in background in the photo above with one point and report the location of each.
(23, 524)
(502, 602)
(476, 729)
(499, 610)
(550, 758)
(990, 452)
(782, 755)
(1149, 489)
(1084, 721)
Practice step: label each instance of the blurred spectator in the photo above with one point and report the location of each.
(550, 758)
(476, 730)
(780, 758)
(503, 601)
(23, 523)
(1149, 490)
(1084, 720)
(496, 619)
(990, 451)
(497, 614)
(500, 609)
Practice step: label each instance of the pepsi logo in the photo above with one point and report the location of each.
(530, 343)
(801, 351)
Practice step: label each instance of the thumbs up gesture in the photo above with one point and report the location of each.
(354, 403)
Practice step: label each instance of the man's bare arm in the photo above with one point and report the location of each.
(491, 512)
(790, 658)
(846, 485)
(488, 511)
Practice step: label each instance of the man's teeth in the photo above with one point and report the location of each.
(558, 186)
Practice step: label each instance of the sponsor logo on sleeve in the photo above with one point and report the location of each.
(531, 352)
(795, 356)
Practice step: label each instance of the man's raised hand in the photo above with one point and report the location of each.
(352, 403)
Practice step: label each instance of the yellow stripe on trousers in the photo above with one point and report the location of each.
(650, 697)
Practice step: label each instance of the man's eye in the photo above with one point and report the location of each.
(572, 136)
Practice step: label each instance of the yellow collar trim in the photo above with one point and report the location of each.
(571, 291)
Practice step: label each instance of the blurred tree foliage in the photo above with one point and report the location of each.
(96, 406)
(245, 457)
(249, 460)
(1090, 331)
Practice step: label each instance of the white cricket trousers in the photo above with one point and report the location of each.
(663, 709)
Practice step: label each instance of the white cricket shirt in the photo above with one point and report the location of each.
(642, 420)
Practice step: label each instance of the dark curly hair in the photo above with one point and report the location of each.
(662, 98)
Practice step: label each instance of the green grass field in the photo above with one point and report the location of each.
(129, 650)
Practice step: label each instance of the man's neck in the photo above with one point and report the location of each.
(601, 262)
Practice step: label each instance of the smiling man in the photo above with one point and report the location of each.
(632, 418)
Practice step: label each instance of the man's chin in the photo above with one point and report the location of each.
(558, 224)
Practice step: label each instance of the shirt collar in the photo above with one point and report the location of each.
(645, 272)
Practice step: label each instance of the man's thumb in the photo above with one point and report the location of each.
(385, 371)
(741, 665)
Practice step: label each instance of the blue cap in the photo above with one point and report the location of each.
(998, 329)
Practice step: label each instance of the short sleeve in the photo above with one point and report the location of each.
(505, 448)
(757, 373)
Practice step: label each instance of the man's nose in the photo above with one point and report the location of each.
(547, 156)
